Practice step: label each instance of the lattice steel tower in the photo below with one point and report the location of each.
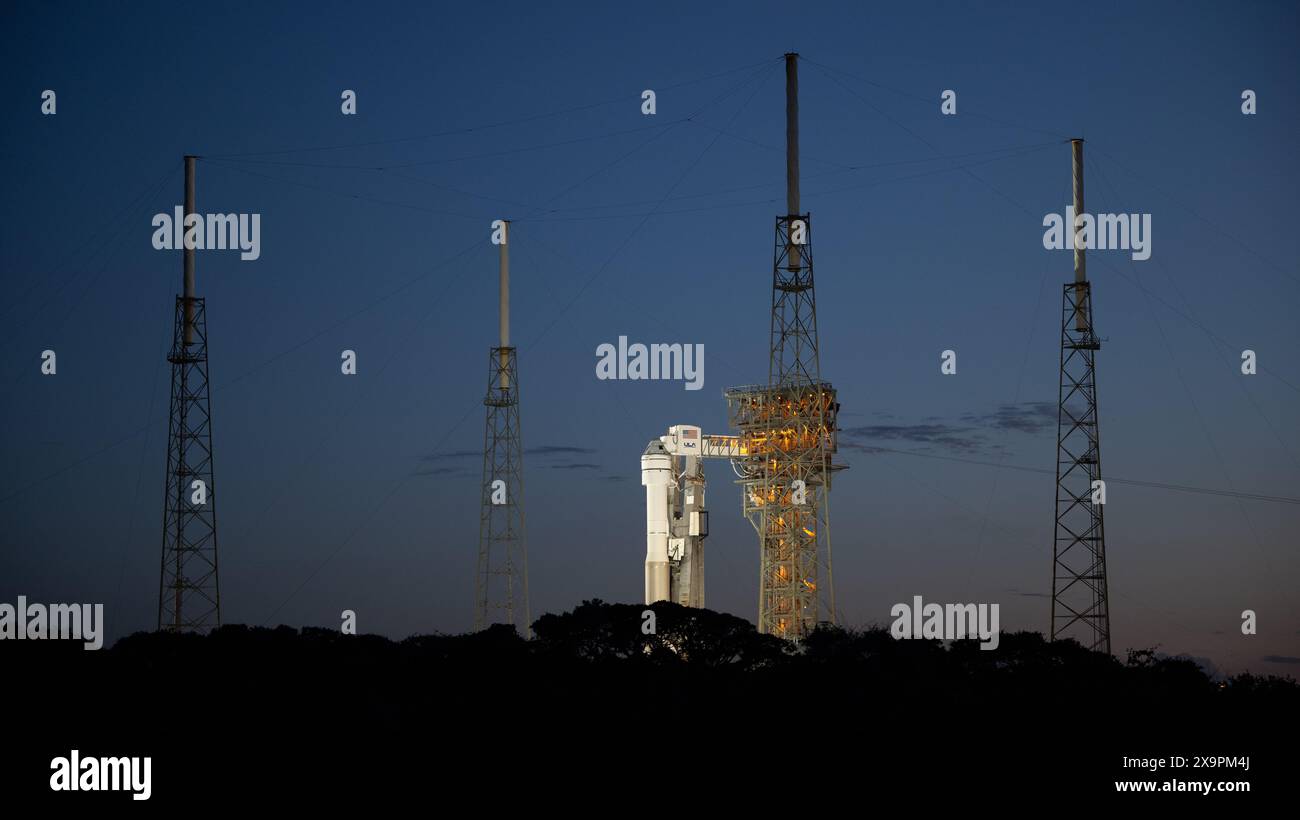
(189, 597)
(502, 587)
(788, 428)
(1080, 604)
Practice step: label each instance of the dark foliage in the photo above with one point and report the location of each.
(245, 693)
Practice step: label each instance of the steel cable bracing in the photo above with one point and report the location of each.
(1010, 152)
(347, 195)
(1219, 340)
(487, 126)
(419, 323)
(397, 486)
(334, 429)
(1184, 488)
(238, 162)
(1192, 321)
(504, 152)
(1049, 472)
(780, 198)
(1173, 283)
(160, 357)
(91, 239)
(780, 182)
(1205, 429)
(1183, 207)
(256, 368)
(929, 102)
(1149, 295)
(1024, 364)
(659, 129)
(104, 251)
(1023, 150)
(402, 482)
(151, 190)
(1030, 324)
(645, 216)
(374, 510)
(141, 430)
(1196, 410)
(1137, 483)
(627, 239)
(501, 528)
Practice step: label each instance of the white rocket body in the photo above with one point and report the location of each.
(672, 471)
(656, 474)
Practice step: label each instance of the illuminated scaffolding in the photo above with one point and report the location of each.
(789, 433)
(788, 428)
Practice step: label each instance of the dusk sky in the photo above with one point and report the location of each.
(362, 492)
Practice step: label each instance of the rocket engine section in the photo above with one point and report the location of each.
(676, 520)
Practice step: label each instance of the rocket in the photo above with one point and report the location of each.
(656, 476)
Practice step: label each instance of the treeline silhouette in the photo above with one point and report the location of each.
(259, 694)
(601, 650)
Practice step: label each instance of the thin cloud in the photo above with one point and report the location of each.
(1029, 417)
(1028, 594)
(441, 471)
(942, 435)
(968, 433)
(557, 450)
(541, 451)
(451, 454)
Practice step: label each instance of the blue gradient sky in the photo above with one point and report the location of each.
(348, 492)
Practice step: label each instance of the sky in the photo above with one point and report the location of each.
(361, 492)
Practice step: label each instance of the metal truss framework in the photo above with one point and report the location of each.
(1080, 604)
(189, 596)
(502, 588)
(788, 430)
